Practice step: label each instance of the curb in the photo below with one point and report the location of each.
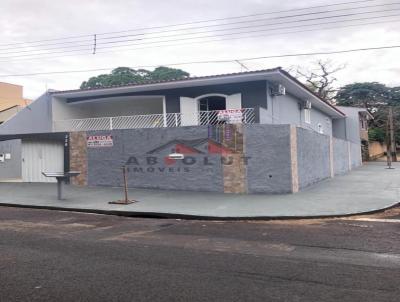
(161, 215)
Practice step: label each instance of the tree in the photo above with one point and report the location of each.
(376, 98)
(373, 96)
(370, 95)
(377, 134)
(163, 73)
(126, 75)
(320, 78)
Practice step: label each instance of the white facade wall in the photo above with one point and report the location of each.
(286, 109)
(126, 106)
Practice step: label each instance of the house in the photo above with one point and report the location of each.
(248, 132)
(187, 102)
(11, 100)
(357, 120)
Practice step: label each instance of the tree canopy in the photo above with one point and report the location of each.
(376, 98)
(367, 95)
(126, 75)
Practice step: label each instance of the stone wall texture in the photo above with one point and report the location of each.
(313, 157)
(269, 167)
(340, 156)
(78, 158)
(257, 158)
(145, 152)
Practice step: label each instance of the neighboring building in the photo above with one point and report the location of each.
(11, 100)
(357, 119)
(291, 137)
(9, 112)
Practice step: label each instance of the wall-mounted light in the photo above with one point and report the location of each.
(176, 156)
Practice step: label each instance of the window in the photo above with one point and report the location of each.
(212, 103)
(307, 116)
(363, 123)
(209, 107)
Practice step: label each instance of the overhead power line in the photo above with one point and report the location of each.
(90, 41)
(268, 24)
(99, 47)
(187, 23)
(263, 19)
(270, 29)
(215, 61)
(250, 36)
(203, 41)
(98, 43)
(244, 16)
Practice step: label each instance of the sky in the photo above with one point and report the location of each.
(32, 20)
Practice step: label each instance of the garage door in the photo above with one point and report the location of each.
(41, 156)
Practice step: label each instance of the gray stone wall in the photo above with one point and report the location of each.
(266, 147)
(340, 156)
(11, 168)
(313, 157)
(269, 163)
(150, 170)
(271, 167)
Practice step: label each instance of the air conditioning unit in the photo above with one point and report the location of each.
(278, 90)
(307, 104)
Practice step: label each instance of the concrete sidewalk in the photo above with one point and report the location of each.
(366, 189)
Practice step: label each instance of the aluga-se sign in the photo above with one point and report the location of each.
(231, 116)
(95, 141)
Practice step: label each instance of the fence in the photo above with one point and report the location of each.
(119, 122)
(244, 116)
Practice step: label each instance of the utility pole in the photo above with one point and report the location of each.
(391, 135)
(388, 148)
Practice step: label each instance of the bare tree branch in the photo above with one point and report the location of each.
(320, 78)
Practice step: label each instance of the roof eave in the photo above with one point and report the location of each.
(200, 81)
(324, 106)
(269, 74)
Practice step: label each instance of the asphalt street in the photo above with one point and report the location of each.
(65, 256)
